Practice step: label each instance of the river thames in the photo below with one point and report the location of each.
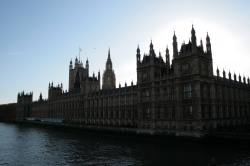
(28, 145)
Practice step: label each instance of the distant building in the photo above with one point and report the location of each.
(184, 95)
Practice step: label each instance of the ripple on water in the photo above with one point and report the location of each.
(25, 145)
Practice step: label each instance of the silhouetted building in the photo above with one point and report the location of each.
(184, 95)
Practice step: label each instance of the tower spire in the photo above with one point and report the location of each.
(193, 38)
(109, 54)
(175, 51)
(208, 44)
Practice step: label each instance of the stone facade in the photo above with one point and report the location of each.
(184, 95)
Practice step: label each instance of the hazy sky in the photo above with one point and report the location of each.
(38, 38)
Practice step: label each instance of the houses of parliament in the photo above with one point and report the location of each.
(184, 95)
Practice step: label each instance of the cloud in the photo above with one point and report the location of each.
(15, 53)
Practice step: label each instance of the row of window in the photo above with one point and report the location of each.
(187, 93)
(222, 112)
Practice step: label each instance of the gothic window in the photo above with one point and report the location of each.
(203, 112)
(146, 113)
(223, 112)
(209, 112)
(165, 113)
(158, 113)
(165, 93)
(129, 114)
(172, 93)
(145, 76)
(108, 80)
(157, 75)
(185, 68)
(108, 66)
(136, 113)
(145, 96)
(173, 113)
(158, 95)
(202, 92)
(208, 92)
(117, 114)
(218, 112)
(188, 112)
(111, 114)
(187, 91)
(229, 112)
(129, 100)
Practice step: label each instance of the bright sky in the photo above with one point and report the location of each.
(39, 38)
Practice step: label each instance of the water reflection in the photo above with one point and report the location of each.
(26, 145)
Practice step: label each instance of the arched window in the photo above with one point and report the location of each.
(108, 80)
(145, 76)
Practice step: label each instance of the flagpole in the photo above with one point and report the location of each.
(79, 54)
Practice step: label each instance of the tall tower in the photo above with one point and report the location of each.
(24, 102)
(108, 79)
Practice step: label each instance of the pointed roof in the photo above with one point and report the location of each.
(207, 38)
(193, 31)
(109, 54)
(138, 50)
(151, 45)
(167, 51)
(174, 37)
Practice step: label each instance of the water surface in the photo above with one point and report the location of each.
(29, 145)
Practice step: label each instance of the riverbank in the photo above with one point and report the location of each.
(145, 135)
(110, 131)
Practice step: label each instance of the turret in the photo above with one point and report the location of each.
(99, 76)
(138, 55)
(167, 57)
(109, 62)
(239, 78)
(229, 75)
(87, 64)
(87, 67)
(40, 97)
(76, 61)
(194, 46)
(151, 51)
(108, 79)
(234, 77)
(175, 50)
(208, 44)
(201, 45)
(24, 102)
(70, 64)
(218, 72)
(224, 74)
